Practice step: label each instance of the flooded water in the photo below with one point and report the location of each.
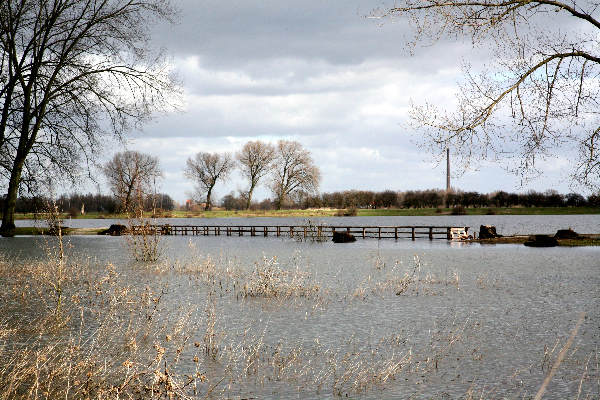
(460, 319)
(505, 224)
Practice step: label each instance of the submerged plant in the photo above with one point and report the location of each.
(311, 232)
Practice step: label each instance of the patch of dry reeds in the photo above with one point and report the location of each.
(403, 281)
(119, 339)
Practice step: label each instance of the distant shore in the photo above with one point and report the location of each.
(331, 212)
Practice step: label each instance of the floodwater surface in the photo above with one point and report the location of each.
(377, 318)
(505, 224)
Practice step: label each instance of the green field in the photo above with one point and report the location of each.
(482, 211)
(327, 212)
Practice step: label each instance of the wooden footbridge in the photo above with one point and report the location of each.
(308, 231)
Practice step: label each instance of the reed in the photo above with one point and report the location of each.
(123, 338)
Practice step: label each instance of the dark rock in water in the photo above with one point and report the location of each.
(488, 232)
(541, 241)
(566, 234)
(343, 237)
(114, 230)
(165, 229)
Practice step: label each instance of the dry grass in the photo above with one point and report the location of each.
(403, 281)
(145, 244)
(269, 280)
(120, 338)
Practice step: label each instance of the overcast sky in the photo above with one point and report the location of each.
(318, 72)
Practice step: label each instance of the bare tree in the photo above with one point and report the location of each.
(255, 160)
(539, 97)
(206, 170)
(70, 72)
(293, 171)
(131, 173)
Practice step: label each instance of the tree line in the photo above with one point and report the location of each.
(102, 203)
(288, 166)
(77, 203)
(437, 198)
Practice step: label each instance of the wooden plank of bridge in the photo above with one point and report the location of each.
(413, 233)
(304, 231)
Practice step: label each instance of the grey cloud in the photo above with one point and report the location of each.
(229, 33)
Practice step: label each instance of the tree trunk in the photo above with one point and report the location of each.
(10, 202)
(207, 207)
(279, 202)
(249, 199)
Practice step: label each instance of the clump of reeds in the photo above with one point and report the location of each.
(312, 232)
(404, 281)
(347, 212)
(144, 240)
(269, 280)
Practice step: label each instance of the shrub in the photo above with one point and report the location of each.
(458, 210)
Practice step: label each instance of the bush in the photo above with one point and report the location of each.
(348, 212)
(458, 210)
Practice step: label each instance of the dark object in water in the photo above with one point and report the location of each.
(114, 230)
(343, 237)
(165, 229)
(566, 234)
(488, 232)
(541, 241)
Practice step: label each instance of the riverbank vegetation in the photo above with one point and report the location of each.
(328, 212)
(72, 327)
(346, 203)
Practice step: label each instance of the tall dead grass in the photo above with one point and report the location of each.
(116, 338)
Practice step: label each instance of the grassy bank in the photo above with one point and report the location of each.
(328, 212)
(32, 230)
(584, 240)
